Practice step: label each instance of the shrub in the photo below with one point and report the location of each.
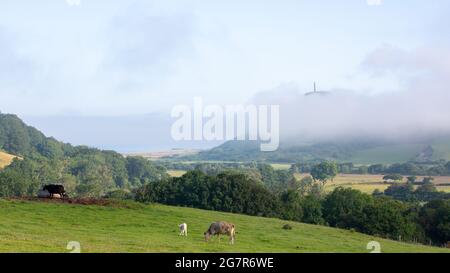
(287, 227)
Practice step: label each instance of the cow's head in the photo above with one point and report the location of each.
(207, 235)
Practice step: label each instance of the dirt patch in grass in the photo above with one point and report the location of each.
(84, 201)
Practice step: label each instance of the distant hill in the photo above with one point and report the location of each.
(358, 152)
(18, 138)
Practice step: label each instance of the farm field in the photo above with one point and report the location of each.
(369, 183)
(5, 159)
(37, 226)
(176, 173)
(280, 166)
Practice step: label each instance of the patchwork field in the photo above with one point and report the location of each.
(36, 226)
(369, 183)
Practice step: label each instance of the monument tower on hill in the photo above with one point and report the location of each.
(317, 93)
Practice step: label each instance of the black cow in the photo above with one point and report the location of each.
(55, 189)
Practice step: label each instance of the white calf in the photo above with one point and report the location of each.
(183, 229)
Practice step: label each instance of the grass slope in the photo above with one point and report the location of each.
(5, 159)
(441, 149)
(28, 226)
(387, 154)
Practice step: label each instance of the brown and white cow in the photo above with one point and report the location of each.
(221, 228)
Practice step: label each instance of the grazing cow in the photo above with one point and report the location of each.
(221, 228)
(183, 229)
(55, 189)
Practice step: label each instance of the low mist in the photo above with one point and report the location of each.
(418, 110)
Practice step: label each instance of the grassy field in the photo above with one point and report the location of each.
(176, 173)
(5, 159)
(369, 183)
(36, 226)
(281, 166)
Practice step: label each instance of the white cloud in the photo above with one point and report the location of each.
(418, 110)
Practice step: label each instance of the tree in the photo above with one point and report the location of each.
(427, 180)
(389, 218)
(294, 184)
(141, 171)
(97, 179)
(19, 178)
(426, 188)
(274, 180)
(292, 209)
(305, 185)
(435, 219)
(345, 167)
(377, 192)
(69, 182)
(316, 190)
(324, 171)
(223, 192)
(312, 210)
(293, 169)
(411, 179)
(402, 192)
(404, 168)
(344, 208)
(377, 169)
(428, 192)
(50, 149)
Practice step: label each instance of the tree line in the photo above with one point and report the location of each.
(406, 192)
(274, 180)
(345, 208)
(438, 168)
(393, 172)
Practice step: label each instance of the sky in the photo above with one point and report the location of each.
(110, 58)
